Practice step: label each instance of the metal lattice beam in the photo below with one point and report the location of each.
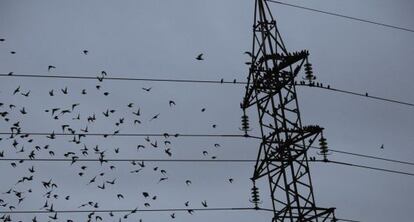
(282, 154)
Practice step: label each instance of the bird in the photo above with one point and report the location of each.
(147, 89)
(203, 109)
(26, 94)
(231, 180)
(204, 203)
(200, 57)
(162, 179)
(248, 53)
(168, 152)
(16, 90)
(65, 90)
(85, 52)
(188, 182)
(50, 67)
(155, 117)
(145, 194)
(382, 146)
(137, 113)
(23, 111)
(74, 105)
(172, 103)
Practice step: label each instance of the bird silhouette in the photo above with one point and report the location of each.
(200, 57)
(248, 53)
(50, 67)
(16, 90)
(65, 90)
(155, 117)
(147, 89)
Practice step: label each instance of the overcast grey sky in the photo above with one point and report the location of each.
(160, 39)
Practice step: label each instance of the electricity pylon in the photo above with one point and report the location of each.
(282, 156)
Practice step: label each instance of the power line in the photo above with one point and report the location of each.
(180, 135)
(145, 210)
(192, 135)
(370, 156)
(195, 135)
(123, 134)
(130, 160)
(369, 96)
(123, 79)
(343, 16)
(204, 82)
(368, 167)
(194, 161)
(127, 210)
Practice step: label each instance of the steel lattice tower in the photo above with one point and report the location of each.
(282, 156)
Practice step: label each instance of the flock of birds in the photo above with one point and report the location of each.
(70, 117)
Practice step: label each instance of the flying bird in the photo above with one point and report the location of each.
(65, 90)
(248, 53)
(200, 57)
(155, 117)
(50, 68)
(16, 90)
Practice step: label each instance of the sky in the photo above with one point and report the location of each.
(160, 39)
